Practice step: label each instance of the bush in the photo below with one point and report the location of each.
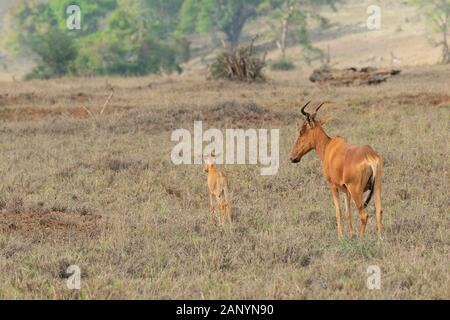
(40, 72)
(55, 51)
(282, 64)
(238, 64)
(108, 54)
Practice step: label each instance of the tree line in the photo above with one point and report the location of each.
(137, 37)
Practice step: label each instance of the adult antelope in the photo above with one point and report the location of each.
(347, 168)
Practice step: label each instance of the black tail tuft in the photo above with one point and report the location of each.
(371, 188)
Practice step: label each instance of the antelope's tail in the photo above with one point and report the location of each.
(373, 177)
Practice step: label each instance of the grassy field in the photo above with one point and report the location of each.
(101, 191)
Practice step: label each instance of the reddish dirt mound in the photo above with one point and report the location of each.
(6, 99)
(29, 113)
(232, 112)
(424, 99)
(25, 114)
(54, 223)
(80, 97)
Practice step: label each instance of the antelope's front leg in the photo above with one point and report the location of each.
(335, 193)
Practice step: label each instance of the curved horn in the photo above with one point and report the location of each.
(317, 109)
(302, 110)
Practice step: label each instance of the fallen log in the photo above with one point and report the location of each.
(352, 76)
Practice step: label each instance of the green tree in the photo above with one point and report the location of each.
(130, 37)
(437, 13)
(25, 20)
(55, 52)
(28, 19)
(227, 16)
(32, 29)
(136, 41)
(92, 13)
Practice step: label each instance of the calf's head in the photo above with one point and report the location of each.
(210, 161)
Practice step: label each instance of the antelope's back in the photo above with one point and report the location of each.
(345, 162)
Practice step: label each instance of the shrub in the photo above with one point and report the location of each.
(108, 54)
(240, 64)
(282, 64)
(55, 51)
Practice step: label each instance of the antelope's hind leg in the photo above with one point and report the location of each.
(225, 215)
(348, 215)
(378, 209)
(227, 211)
(227, 205)
(221, 210)
(357, 196)
(211, 208)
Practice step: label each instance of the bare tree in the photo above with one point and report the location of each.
(437, 13)
(289, 18)
(285, 27)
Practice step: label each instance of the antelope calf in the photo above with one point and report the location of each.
(218, 188)
(347, 168)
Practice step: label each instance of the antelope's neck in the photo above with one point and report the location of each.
(322, 140)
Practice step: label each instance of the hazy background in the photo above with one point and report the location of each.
(138, 37)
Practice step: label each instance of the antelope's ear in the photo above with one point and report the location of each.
(325, 119)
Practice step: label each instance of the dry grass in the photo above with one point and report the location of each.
(103, 193)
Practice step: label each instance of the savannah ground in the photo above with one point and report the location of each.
(102, 193)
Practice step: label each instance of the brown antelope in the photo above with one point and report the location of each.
(218, 188)
(347, 168)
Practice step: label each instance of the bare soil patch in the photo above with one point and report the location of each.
(424, 99)
(246, 113)
(224, 114)
(9, 99)
(51, 223)
(32, 113)
(230, 112)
